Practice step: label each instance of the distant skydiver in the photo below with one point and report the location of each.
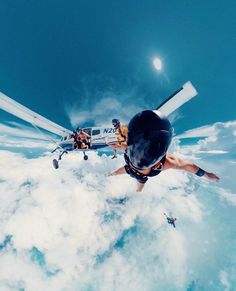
(121, 135)
(171, 220)
(148, 139)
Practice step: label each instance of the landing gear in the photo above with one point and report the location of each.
(61, 154)
(85, 156)
(55, 150)
(55, 162)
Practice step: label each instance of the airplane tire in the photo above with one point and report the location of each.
(55, 164)
(85, 157)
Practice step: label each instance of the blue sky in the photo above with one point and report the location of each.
(55, 54)
(79, 61)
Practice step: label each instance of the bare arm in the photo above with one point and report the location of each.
(119, 171)
(173, 162)
(86, 134)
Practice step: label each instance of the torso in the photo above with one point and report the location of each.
(121, 133)
(82, 136)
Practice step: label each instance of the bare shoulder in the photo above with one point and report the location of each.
(171, 162)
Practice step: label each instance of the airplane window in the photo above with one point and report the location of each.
(87, 130)
(96, 131)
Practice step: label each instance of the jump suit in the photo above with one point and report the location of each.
(121, 134)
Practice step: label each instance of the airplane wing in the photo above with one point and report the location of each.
(177, 99)
(15, 108)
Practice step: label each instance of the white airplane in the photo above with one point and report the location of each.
(98, 136)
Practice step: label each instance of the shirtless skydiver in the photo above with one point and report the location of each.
(81, 139)
(149, 136)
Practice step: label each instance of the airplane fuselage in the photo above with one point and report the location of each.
(100, 136)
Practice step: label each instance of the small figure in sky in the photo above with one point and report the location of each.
(170, 220)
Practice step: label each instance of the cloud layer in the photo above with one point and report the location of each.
(76, 229)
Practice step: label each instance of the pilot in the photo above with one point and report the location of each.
(121, 136)
(148, 139)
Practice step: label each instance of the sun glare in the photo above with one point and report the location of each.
(157, 64)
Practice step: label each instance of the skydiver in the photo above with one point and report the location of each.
(83, 137)
(121, 136)
(171, 220)
(148, 139)
(77, 143)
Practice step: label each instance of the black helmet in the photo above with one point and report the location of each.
(149, 136)
(115, 122)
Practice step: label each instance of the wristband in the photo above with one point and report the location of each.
(200, 172)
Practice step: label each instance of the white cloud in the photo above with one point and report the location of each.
(228, 196)
(90, 231)
(219, 139)
(225, 280)
(100, 100)
(203, 131)
(72, 216)
(103, 111)
(213, 152)
(208, 130)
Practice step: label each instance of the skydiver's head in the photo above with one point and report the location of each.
(149, 136)
(116, 122)
(78, 129)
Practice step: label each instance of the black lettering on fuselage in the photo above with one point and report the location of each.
(109, 130)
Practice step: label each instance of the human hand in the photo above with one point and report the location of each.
(110, 174)
(212, 177)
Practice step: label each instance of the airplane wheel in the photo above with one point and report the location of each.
(85, 157)
(55, 164)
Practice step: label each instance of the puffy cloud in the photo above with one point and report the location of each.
(103, 111)
(76, 229)
(220, 138)
(101, 99)
(228, 196)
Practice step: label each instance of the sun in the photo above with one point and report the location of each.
(157, 64)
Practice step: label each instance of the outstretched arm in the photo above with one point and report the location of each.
(119, 171)
(86, 134)
(173, 162)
